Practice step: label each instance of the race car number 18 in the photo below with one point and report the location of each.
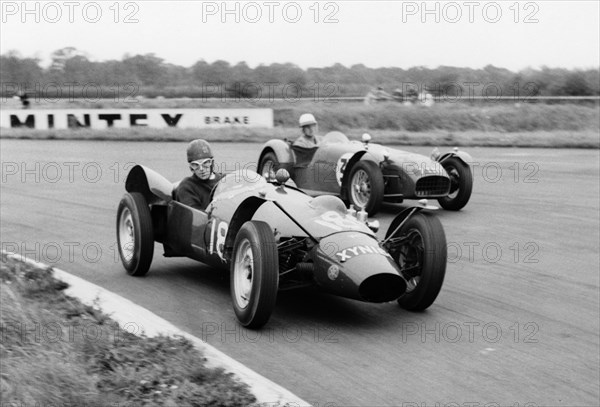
(218, 233)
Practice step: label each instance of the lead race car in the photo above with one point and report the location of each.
(272, 237)
(366, 175)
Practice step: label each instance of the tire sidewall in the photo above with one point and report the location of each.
(433, 261)
(137, 265)
(465, 184)
(127, 203)
(258, 310)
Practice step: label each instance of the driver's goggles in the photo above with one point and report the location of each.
(205, 164)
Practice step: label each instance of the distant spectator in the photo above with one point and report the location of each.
(382, 94)
(411, 97)
(426, 99)
(24, 100)
(377, 95)
(398, 95)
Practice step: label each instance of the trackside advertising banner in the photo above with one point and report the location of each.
(126, 118)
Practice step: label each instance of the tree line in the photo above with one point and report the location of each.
(152, 76)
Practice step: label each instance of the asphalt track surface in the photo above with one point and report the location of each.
(516, 322)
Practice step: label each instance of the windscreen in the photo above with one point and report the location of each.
(326, 203)
(239, 181)
(335, 137)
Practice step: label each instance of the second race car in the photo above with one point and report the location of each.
(366, 174)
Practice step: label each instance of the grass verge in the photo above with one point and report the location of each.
(538, 139)
(57, 351)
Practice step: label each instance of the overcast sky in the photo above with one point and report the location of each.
(473, 34)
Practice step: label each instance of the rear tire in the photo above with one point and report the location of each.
(461, 184)
(425, 253)
(254, 274)
(135, 234)
(365, 186)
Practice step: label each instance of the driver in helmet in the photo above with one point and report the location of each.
(195, 190)
(308, 139)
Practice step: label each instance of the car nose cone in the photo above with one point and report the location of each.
(353, 265)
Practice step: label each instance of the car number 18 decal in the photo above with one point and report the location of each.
(341, 167)
(218, 233)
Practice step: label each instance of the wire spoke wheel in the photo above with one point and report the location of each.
(410, 258)
(361, 188)
(365, 186)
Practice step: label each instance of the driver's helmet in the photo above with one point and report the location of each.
(306, 120)
(198, 150)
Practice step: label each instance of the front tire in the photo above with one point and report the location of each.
(461, 184)
(365, 186)
(254, 274)
(268, 166)
(135, 234)
(422, 257)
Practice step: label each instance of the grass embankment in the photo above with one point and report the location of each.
(57, 351)
(444, 124)
(539, 139)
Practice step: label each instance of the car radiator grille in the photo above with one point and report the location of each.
(432, 186)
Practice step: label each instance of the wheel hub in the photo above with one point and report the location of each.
(243, 274)
(126, 235)
(409, 258)
(361, 188)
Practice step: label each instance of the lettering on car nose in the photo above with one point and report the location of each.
(355, 251)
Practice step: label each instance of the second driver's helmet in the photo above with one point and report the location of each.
(306, 120)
